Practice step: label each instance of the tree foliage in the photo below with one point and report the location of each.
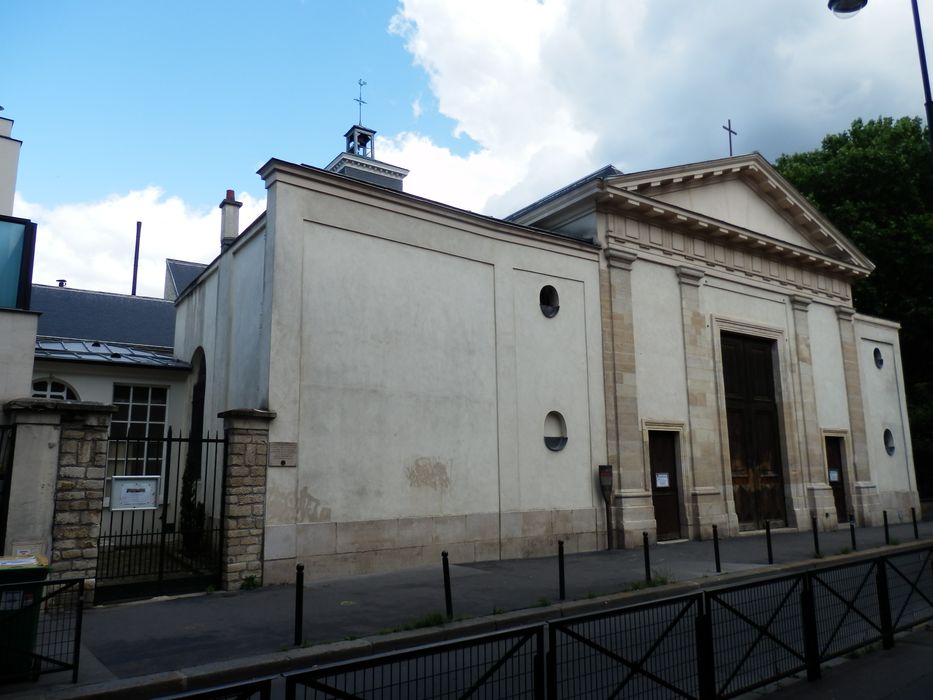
(875, 183)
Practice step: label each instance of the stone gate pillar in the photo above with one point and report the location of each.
(245, 468)
(57, 483)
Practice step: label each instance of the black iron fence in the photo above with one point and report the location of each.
(719, 643)
(40, 628)
(500, 665)
(173, 543)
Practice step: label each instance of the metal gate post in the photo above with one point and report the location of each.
(706, 661)
(165, 500)
(884, 603)
(811, 642)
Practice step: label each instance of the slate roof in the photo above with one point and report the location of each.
(104, 353)
(603, 172)
(102, 316)
(183, 273)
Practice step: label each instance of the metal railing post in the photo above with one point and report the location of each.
(816, 536)
(887, 532)
(560, 569)
(299, 603)
(706, 663)
(884, 603)
(644, 540)
(448, 598)
(852, 532)
(811, 644)
(716, 549)
(79, 619)
(768, 538)
(913, 518)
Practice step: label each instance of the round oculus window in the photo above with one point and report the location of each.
(555, 432)
(888, 441)
(879, 358)
(549, 301)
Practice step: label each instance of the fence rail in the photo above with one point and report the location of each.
(40, 628)
(719, 643)
(499, 665)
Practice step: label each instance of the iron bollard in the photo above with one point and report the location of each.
(644, 539)
(448, 599)
(299, 603)
(560, 569)
(816, 536)
(852, 531)
(768, 538)
(716, 549)
(887, 533)
(913, 517)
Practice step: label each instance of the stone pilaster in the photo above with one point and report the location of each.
(633, 512)
(245, 467)
(75, 436)
(819, 496)
(865, 500)
(706, 500)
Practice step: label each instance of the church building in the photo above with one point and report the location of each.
(442, 380)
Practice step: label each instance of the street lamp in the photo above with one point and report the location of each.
(848, 8)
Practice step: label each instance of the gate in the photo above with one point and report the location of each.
(161, 528)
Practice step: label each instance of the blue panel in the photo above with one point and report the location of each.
(12, 235)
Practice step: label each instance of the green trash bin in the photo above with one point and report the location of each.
(21, 581)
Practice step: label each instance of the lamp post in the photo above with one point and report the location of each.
(847, 8)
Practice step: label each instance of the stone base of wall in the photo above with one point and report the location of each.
(821, 503)
(898, 505)
(707, 508)
(373, 546)
(867, 505)
(633, 515)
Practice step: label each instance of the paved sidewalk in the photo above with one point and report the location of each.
(163, 635)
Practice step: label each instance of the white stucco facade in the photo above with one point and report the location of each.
(411, 370)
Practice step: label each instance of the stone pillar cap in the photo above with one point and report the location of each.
(58, 406)
(254, 413)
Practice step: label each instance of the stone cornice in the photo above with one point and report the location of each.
(688, 223)
(845, 313)
(623, 259)
(761, 176)
(690, 276)
(799, 303)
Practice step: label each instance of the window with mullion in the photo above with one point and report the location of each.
(136, 431)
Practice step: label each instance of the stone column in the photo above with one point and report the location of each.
(245, 467)
(819, 494)
(706, 502)
(632, 512)
(865, 499)
(57, 489)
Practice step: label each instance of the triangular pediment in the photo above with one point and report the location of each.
(747, 193)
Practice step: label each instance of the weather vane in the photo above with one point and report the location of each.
(731, 134)
(360, 100)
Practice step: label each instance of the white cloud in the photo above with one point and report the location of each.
(416, 108)
(553, 89)
(91, 244)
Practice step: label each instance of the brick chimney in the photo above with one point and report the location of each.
(229, 220)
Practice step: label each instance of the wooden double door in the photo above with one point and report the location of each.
(754, 439)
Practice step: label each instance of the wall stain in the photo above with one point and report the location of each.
(310, 509)
(428, 472)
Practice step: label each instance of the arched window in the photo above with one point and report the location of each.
(53, 389)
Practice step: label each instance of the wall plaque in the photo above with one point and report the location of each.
(662, 480)
(134, 493)
(283, 454)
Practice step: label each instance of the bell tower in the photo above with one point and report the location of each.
(358, 159)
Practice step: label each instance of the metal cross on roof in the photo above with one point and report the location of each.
(360, 100)
(731, 134)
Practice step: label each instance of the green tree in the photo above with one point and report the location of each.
(875, 183)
